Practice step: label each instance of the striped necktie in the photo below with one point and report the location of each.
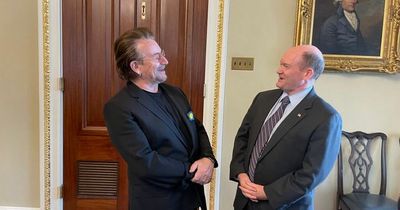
(264, 135)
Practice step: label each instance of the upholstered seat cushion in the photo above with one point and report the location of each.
(367, 201)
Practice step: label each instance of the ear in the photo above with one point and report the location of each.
(134, 66)
(309, 73)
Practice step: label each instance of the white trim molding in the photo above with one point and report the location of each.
(214, 88)
(50, 103)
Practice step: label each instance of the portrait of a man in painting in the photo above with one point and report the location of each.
(348, 27)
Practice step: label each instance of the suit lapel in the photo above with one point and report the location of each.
(346, 24)
(181, 107)
(266, 105)
(291, 120)
(148, 102)
(343, 20)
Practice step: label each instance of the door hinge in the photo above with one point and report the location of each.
(204, 90)
(61, 84)
(60, 191)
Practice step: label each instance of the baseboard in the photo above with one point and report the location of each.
(17, 208)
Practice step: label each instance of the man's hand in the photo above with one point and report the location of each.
(203, 169)
(250, 190)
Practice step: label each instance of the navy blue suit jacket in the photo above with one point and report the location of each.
(299, 155)
(339, 37)
(157, 154)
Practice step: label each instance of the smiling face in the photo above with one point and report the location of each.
(293, 76)
(349, 5)
(151, 67)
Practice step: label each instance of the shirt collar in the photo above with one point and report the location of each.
(297, 97)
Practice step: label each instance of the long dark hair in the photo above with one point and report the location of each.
(125, 51)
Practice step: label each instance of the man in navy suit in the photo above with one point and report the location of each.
(151, 124)
(341, 34)
(303, 144)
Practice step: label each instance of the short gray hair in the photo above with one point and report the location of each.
(314, 60)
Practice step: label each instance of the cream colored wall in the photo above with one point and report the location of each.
(19, 127)
(368, 102)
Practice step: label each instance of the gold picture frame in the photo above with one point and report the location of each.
(386, 59)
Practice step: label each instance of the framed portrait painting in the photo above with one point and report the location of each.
(353, 35)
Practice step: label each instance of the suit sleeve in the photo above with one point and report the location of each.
(204, 142)
(320, 156)
(329, 35)
(132, 144)
(237, 165)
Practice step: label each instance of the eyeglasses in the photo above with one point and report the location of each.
(157, 56)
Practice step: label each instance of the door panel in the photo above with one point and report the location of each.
(95, 176)
(89, 29)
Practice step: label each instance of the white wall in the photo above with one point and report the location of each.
(366, 101)
(19, 121)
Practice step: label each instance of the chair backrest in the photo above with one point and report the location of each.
(360, 160)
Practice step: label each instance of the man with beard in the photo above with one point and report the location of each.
(151, 124)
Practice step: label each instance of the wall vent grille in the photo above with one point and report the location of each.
(97, 179)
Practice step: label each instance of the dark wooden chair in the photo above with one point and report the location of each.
(359, 160)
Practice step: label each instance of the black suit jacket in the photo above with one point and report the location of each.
(298, 156)
(157, 154)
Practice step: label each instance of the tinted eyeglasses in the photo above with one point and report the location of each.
(156, 56)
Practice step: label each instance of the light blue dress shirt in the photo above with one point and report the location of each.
(295, 99)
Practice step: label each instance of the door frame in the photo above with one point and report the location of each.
(51, 104)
